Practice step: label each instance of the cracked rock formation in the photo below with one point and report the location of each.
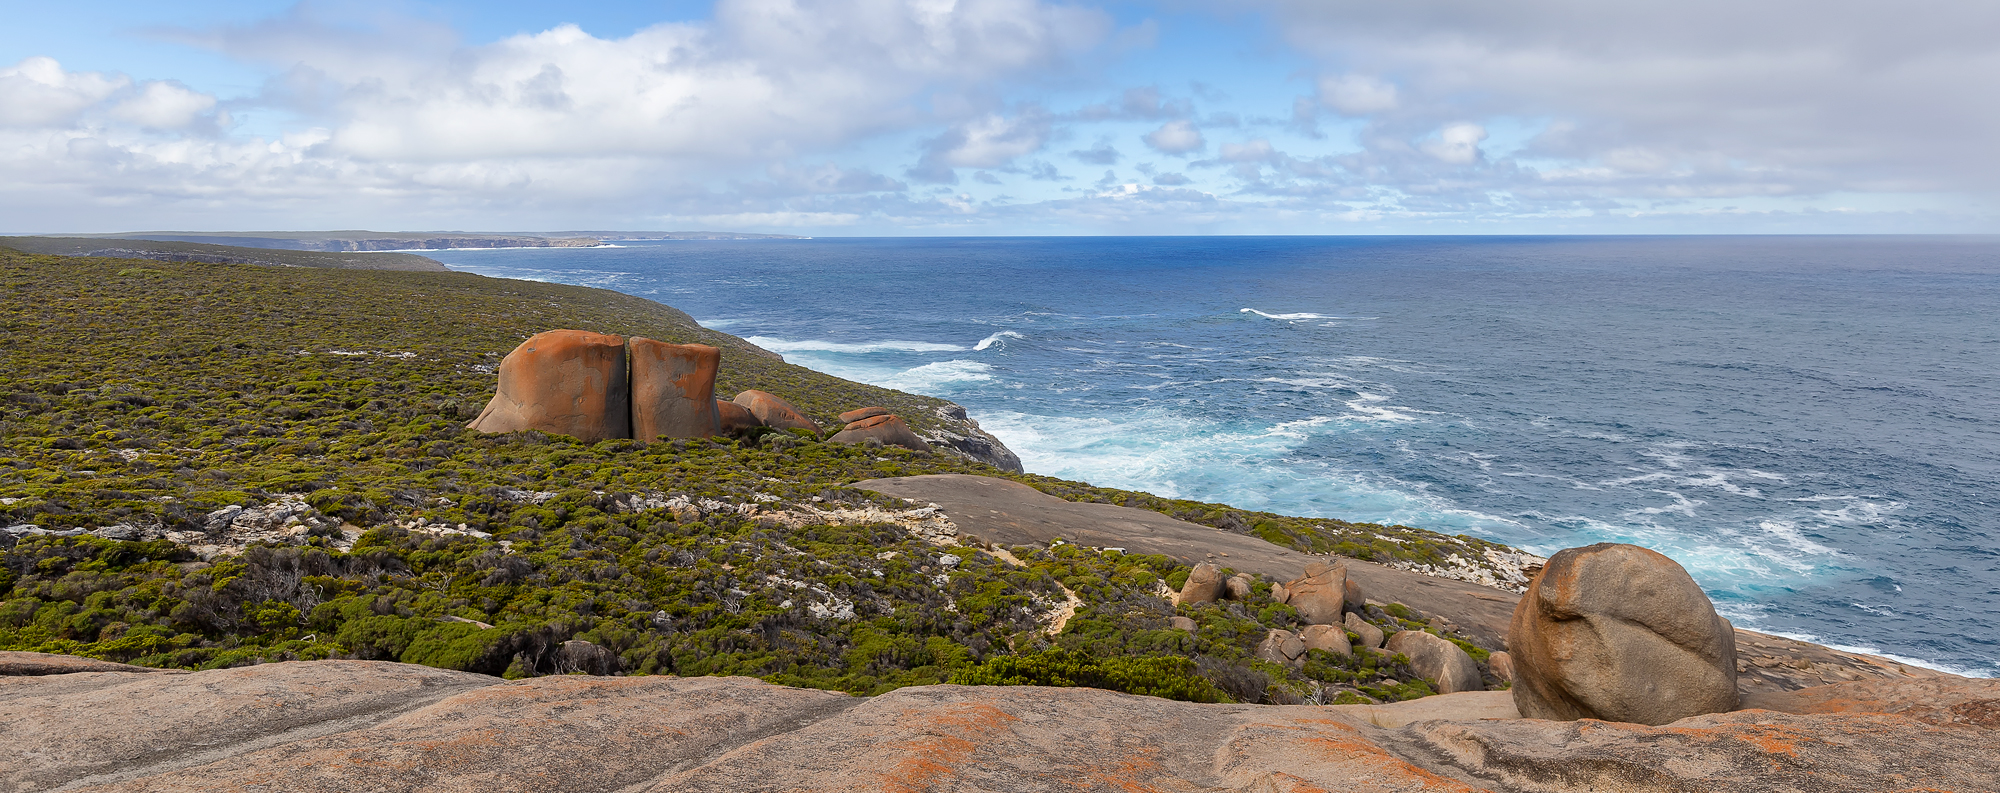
(774, 411)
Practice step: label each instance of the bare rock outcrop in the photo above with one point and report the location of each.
(1619, 633)
(673, 389)
(1203, 585)
(566, 382)
(1320, 595)
(360, 725)
(1371, 636)
(775, 412)
(1436, 659)
(1326, 637)
(885, 429)
(1282, 647)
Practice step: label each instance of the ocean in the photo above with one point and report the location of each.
(1810, 425)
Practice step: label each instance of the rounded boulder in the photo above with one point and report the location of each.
(1438, 660)
(775, 412)
(1326, 637)
(889, 430)
(736, 419)
(1619, 633)
(564, 382)
(1204, 584)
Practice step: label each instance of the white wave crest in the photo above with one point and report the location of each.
(775, 344)
(995, 339)
(1298, 316)
(932, 377)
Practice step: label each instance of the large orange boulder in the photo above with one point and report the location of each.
(1619, 633)
(1319, 595)
(775, 412)
(858, 414)
(736, 419)
(566, 382)
(889, 430)
(673, 390)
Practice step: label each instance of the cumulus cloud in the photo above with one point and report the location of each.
(1175, 137)
(1457, 144)
(987, 142)
(1705, 96)
(38, 92)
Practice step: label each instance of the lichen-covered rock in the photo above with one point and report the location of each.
(673, 390)
(1326, 637)
(1282, 647)
(1204, 584)
(1619, 633)
(1320, 596)
(1371, 636)
(735, 419)
(889, 430)
(567, 382)
(1182, 624)
(1438, 660)
(775, 412)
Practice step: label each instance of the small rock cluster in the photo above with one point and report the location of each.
(874, 426)
(1332, 604)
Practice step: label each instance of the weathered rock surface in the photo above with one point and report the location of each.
(889, 430)
(1182, 624)
(19, 664)
(673, 389)
(1320, 595)
(1010, 513)
(775, 412)
(1330, 638)
(962, 435)
(1238, 587)
(1282, 647)
(1203, 585)
(356, 725)
(1447, 666)
(734, 418)
(1371, 636)
(567, 382)
(1620, 633)
(1501, 665)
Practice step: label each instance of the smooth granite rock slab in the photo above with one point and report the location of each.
(565, 733)
(1743, 752)
(1022, 739)
(1010, 513)
(104, 726)
(19, 664)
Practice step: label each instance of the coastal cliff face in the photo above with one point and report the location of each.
(357, 725)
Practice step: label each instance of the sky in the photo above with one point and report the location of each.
(1003, 117)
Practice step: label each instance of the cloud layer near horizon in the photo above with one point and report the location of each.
(997, 116)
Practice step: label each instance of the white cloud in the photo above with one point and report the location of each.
(1457, 144)
(1356, 94)
(37, 92)
(1175, 137)
(164, 105)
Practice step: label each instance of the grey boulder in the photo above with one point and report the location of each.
(1438, 660)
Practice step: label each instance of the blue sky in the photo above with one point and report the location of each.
(873, 117)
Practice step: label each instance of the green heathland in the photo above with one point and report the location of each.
(136, 400)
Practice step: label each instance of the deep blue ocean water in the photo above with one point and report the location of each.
(1811, 425)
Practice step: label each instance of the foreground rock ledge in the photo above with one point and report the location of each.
(363, 725)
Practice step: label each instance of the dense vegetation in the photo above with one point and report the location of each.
(136, 400)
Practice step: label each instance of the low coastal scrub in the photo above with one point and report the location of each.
(147, 412)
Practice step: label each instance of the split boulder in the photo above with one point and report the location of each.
(858, 414)
(563, 382)
(889, 430)
(1438, 660)
(1319, 596)
(1204, 584)
(775, 412)
(673, 390)
(1619, 633)
(1282, 647)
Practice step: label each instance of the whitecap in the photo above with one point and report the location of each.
(932, 377)
(995, 339)
(1298, 316)
(775, 344)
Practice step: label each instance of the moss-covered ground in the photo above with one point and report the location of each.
(151, 394)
